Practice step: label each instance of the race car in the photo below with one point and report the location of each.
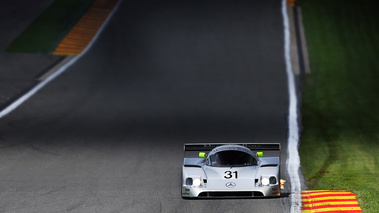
(230, 170)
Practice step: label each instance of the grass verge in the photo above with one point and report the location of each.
(340, 112)
(45, 33)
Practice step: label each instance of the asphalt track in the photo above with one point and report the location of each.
(107, 135)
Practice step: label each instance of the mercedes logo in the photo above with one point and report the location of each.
(230, 184)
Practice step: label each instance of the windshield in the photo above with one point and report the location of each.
(231, 158)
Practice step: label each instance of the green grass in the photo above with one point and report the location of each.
(45, 33)
(340, 106)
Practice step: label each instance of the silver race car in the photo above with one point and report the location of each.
(229, 170)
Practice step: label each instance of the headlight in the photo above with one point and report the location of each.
(265, 181)
(189, 181)
(196, 182)
(272, 180)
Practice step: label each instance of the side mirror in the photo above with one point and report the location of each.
(259, 154)
(202, 154)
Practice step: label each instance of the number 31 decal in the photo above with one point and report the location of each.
(229, 174)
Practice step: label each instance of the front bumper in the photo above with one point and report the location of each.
(200, 192)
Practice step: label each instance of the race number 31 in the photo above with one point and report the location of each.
(230, 174)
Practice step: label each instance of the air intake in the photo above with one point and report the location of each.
(230, 194)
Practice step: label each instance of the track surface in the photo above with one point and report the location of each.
(107, 135)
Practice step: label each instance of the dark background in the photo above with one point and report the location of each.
(108, 134)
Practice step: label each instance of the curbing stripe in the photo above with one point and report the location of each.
(323, 191)
(291, 3)
(87, 27)
(328, 198)
(329, 201)
(330, 195)
(335, 210)
(332, 211)
(327, 205)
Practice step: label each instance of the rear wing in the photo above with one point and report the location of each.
(205, 147)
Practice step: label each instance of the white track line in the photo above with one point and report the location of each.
(293, 162)
(41, 84)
